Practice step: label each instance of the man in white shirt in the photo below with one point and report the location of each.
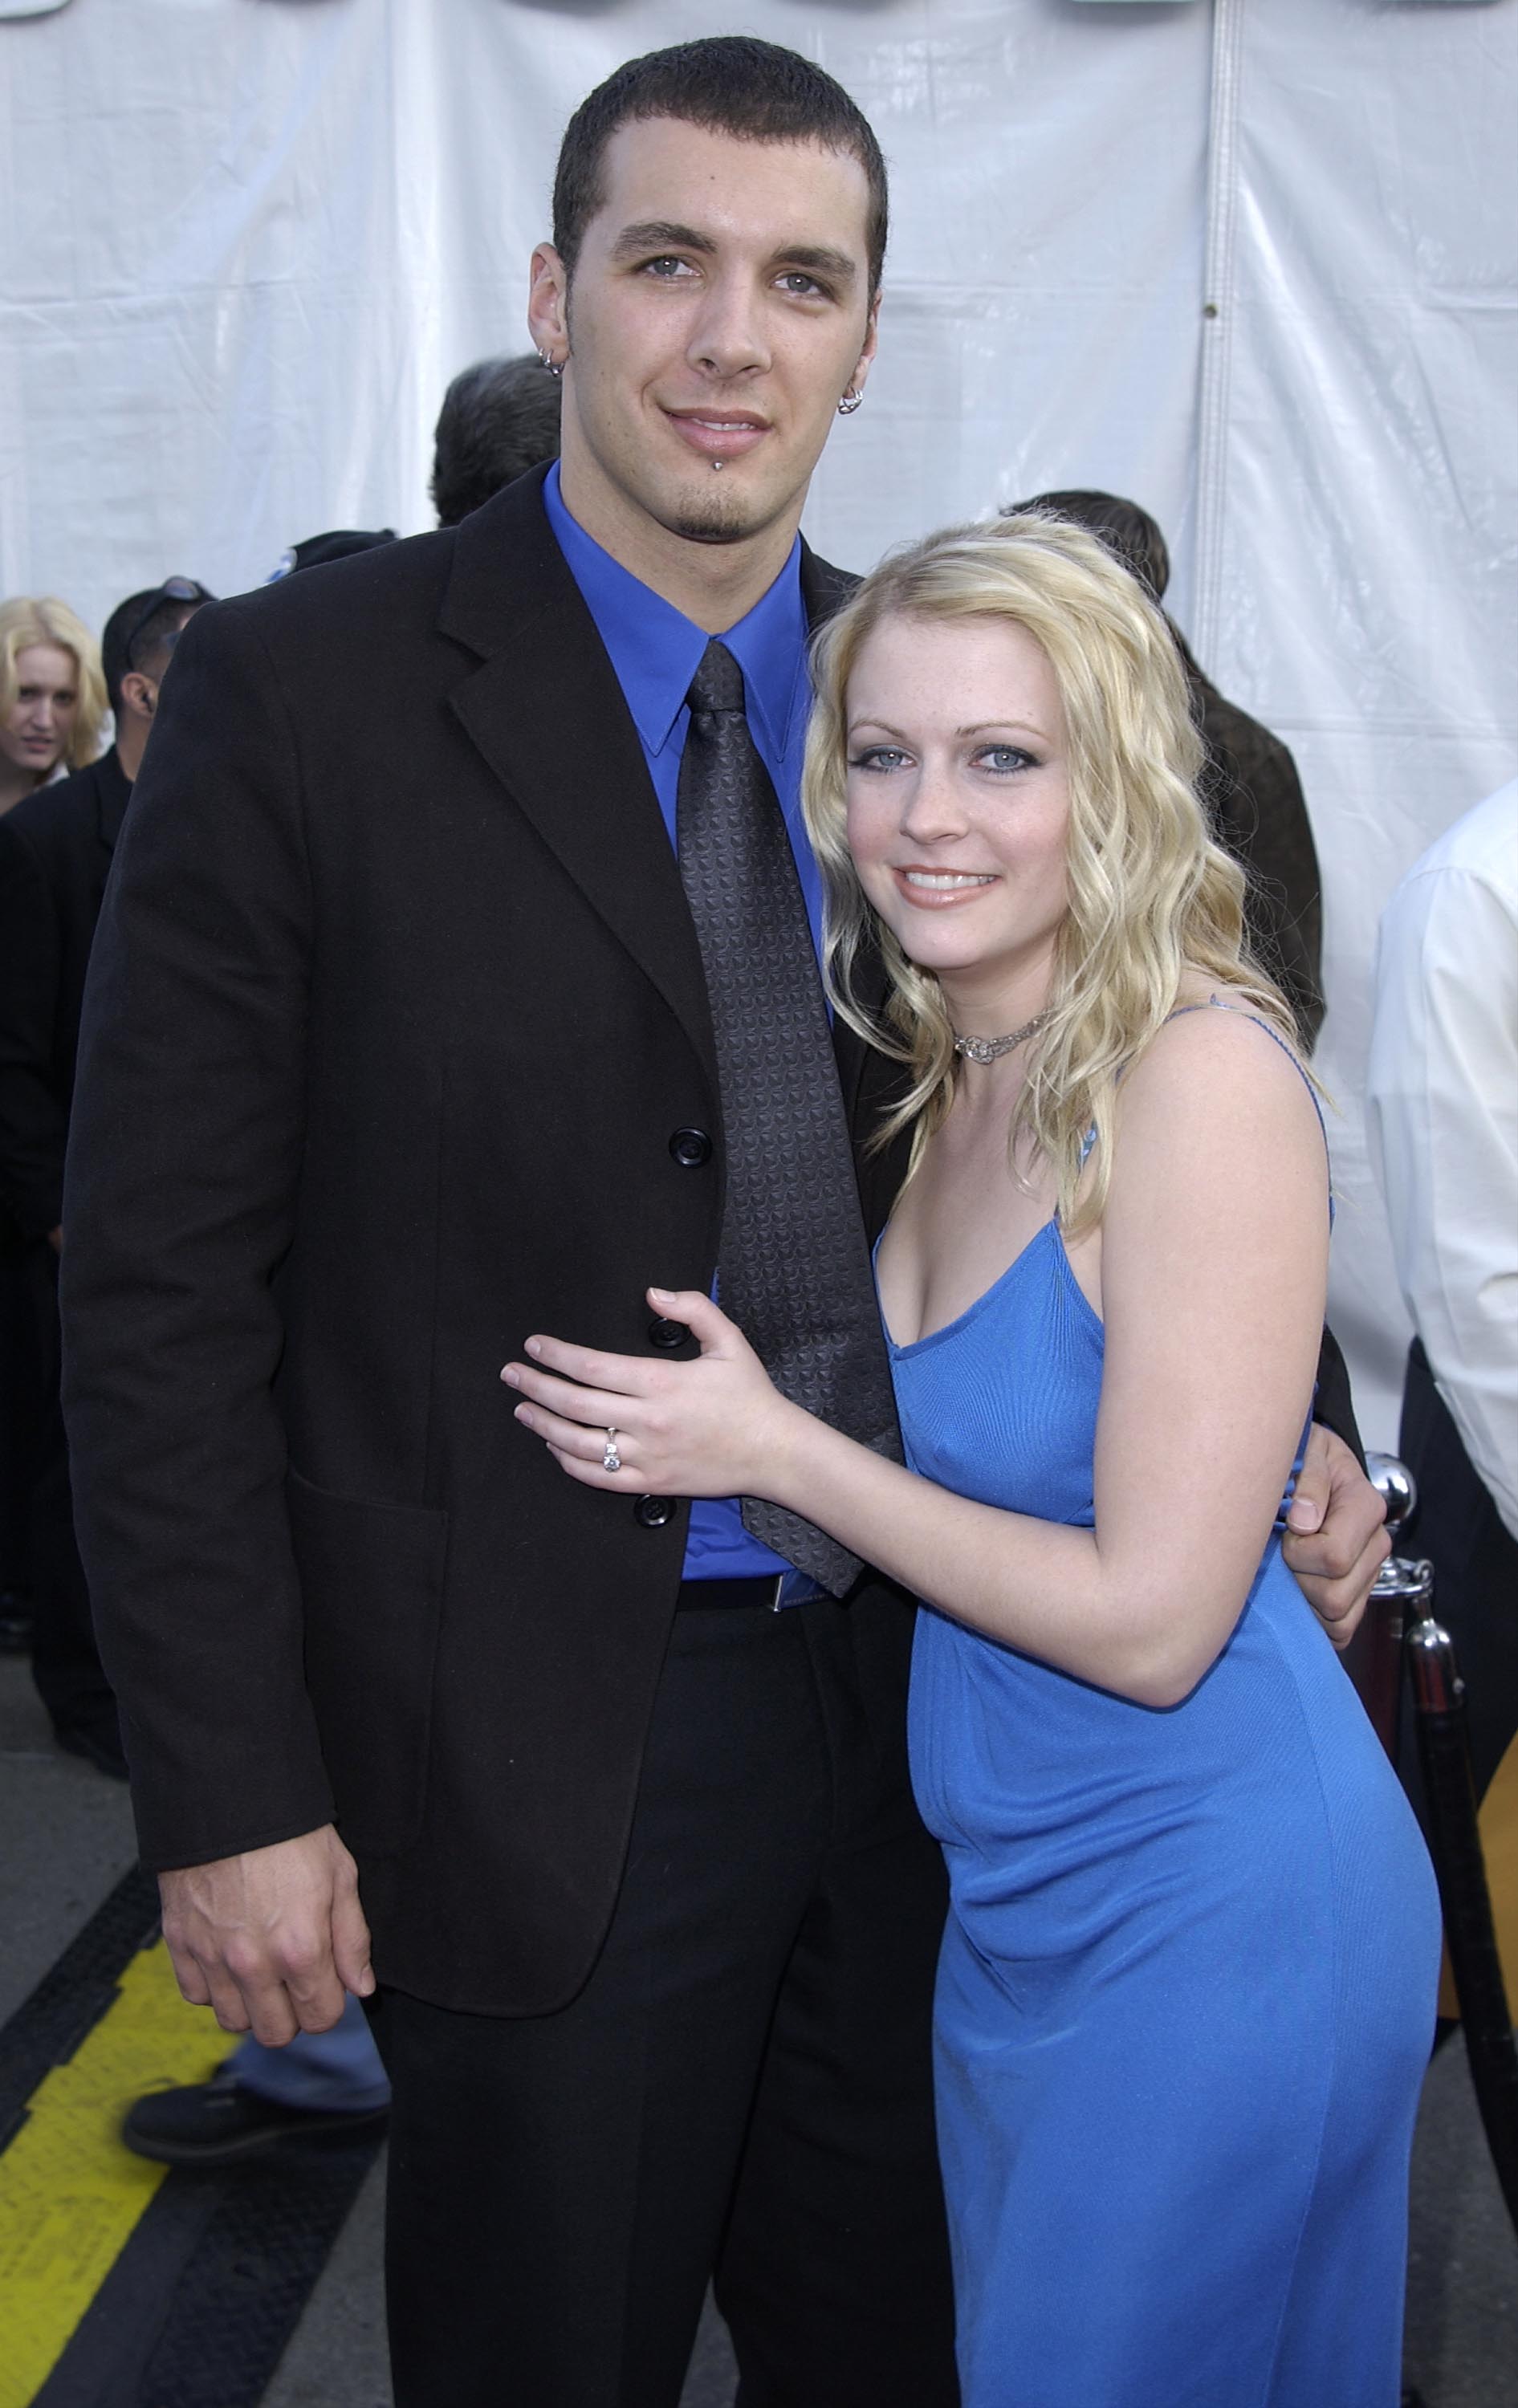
(1442, 1115)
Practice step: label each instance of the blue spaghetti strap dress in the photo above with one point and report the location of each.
(1187, 1987)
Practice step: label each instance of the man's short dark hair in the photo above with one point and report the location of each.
(132, 641)
(499, 417)
(1119, 524)
(730, 84)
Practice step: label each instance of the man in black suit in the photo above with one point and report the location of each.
(55, 851)
(400, 1045)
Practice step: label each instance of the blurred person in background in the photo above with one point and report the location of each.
(52, 696)
(499, 417)
(1441, 1117)
(1249, 783)
(317, 551)
(52, 711)
(56, 845)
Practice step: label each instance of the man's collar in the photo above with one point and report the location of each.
(655, 650)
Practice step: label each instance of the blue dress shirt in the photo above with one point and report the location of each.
(655, 652)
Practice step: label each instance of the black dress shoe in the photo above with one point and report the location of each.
(99, 1743)
(214, 2123)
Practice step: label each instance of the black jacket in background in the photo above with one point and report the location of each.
(1253, 799)
(55, 854)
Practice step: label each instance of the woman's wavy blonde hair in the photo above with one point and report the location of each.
(44, 620)
(1151, 895)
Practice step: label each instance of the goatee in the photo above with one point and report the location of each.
(713, 517)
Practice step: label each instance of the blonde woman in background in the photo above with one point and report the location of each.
(1187, 1992)
(53, 695)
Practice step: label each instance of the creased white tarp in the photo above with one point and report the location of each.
(1367, 492)
(245, 243)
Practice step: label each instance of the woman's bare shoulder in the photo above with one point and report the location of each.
(1219, 1069)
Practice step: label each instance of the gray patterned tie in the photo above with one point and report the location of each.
(794, 1266)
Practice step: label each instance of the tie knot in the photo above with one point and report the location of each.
(718, 682)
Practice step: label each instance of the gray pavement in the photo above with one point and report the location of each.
(69, 1840)
(1462, 2324)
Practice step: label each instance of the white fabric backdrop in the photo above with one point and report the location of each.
(245, 243)
(1360, 594)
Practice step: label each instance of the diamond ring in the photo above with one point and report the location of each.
(611, 1459)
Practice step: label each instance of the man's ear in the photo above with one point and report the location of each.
(872, 336)
(548, 304)
(140, 693)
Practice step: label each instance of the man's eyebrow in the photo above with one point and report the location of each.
(659, 233)
(835, 263)
(662, 233)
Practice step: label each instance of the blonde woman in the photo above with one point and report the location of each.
(1187, 1992)
(52, 695)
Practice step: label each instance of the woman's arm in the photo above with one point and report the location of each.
(1214, 1253)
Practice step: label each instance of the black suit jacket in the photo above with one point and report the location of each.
(55, 853)
(1254, 798)
(395, 1009)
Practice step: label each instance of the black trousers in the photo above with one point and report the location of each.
(1475, 1561)
(65, 1661)
(742, 2090)
(21, 1397)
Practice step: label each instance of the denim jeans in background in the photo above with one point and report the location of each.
(333, 2072)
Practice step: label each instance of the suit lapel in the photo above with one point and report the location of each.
(824, 588)
(545, 711)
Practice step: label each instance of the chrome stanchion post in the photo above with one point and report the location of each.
(1406, 1587)
(1402, 1589)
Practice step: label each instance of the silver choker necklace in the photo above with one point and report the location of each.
(991, 1049)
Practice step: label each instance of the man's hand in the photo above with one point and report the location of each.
(1335, 1542)
(270, 1940)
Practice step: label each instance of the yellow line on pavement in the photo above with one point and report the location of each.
(70, 2194)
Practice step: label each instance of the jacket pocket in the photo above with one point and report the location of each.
(372, 1582)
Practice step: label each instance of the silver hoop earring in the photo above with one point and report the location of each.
(554, 367)
(850, 403)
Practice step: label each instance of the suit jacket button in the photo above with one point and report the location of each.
(691, 1148)
(652, 1512)
(668, 1334)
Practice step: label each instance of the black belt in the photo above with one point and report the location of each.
(701, 1595)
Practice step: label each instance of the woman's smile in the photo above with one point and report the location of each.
(931, 889)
